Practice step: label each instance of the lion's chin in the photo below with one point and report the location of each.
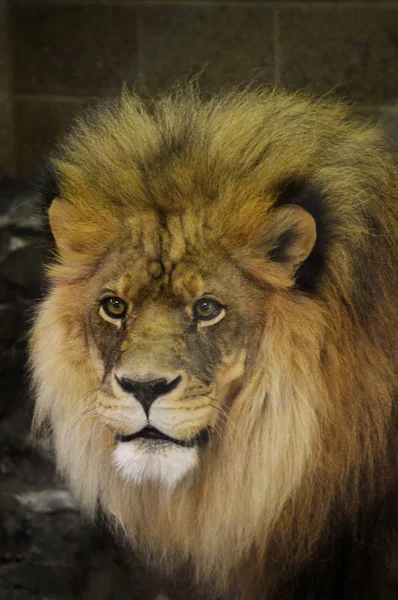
(143, 460)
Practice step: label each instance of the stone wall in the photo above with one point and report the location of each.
(57, 55)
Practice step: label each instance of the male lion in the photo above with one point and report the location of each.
(216, 356)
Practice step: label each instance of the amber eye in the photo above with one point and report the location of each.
(114, 307)
(207, 309)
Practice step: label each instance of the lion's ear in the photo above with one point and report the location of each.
(75, 232)
(278, 248)
(290, 237)
(63, 224)
(81, 236)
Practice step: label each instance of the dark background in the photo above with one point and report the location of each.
(58, 56)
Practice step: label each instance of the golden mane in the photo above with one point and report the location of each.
(316, 417)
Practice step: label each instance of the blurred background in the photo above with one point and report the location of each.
(56, 58)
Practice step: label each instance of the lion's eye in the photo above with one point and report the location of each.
(114, 307)
(207, 309)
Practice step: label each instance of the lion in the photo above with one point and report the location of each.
(215, 359)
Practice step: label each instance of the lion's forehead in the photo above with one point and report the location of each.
(142, 279)
(171, 235)
(172, 259)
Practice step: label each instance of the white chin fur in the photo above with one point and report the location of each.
(139, 461)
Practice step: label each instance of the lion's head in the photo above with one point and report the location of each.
(205, 356)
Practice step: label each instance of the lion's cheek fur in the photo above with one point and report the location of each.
(65, 381)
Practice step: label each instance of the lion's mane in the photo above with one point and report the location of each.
(306, 467)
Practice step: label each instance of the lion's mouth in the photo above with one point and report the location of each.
(153, 435)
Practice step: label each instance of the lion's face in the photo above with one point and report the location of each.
(171, 321)
(170, 328)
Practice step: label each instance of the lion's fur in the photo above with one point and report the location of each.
(309, 444)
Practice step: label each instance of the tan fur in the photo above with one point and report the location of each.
(304, 403)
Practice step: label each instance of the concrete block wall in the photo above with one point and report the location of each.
(56, 56)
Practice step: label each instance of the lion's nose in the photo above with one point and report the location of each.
(146, 392)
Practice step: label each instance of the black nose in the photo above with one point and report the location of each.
(146, 392)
